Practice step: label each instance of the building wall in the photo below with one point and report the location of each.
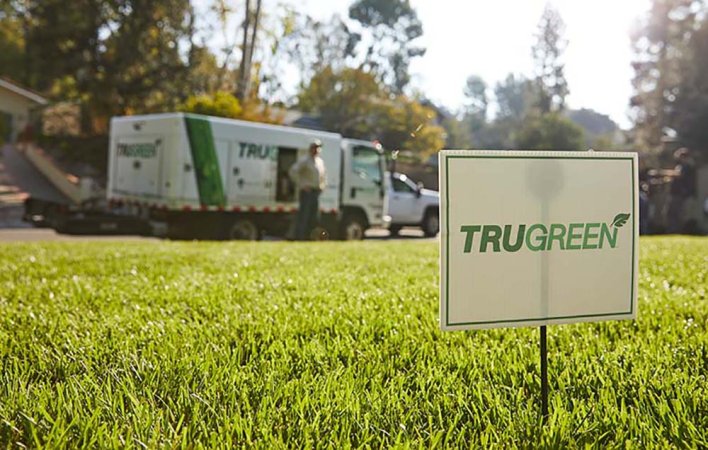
(18, 108)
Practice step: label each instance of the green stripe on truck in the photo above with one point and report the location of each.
(206, 163)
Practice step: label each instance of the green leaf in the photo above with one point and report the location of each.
(620, 219)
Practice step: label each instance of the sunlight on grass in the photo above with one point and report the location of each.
(150, 344)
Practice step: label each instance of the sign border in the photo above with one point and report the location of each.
(614, 156)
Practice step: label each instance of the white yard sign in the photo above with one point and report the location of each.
(537, 238)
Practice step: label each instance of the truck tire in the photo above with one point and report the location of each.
(353, 227)
(320, 233)
(244, 230)
(431, 223)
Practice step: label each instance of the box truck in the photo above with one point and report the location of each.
(215, 178)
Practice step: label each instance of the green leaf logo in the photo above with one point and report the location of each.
(620, 219)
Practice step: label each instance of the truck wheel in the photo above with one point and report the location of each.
(353, 228)
(431, 224)
(244, 230)
(320, 233)
(394, 230)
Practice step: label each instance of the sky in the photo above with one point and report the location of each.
(494, 37)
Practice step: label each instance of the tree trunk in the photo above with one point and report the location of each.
(242, 72)
(250, 25)
(252, 47)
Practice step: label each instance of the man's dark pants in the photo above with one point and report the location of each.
(307, 213)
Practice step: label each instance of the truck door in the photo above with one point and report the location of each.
(403, 201)
(252, 174)
(285, 188)
(137, 165)
(364, 187)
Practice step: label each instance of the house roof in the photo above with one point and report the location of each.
(26, 93)
(309, 122)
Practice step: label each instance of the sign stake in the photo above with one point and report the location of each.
(544, 376)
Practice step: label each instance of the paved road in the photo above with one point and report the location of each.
(46, 234)
(18, 180)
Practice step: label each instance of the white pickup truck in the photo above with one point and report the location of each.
(410, 205)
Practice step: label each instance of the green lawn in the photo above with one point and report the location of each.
(276, 344)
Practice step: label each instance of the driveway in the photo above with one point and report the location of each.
(19, 180)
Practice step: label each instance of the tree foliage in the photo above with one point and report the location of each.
(601, 132)
(220, 104)
(354, 103)
(12, 44)
(405, 124)
(528, 111)
(690, 114)
(514, 97)
(110, 56)
(663, 63)
(547, 54)
(317, 44)
(476, 101)
(348, 100)
(153, 78)
(549, 131)
(393, 26)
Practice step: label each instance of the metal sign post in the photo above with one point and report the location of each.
(544, 376)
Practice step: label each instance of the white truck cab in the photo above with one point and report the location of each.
(411, 205)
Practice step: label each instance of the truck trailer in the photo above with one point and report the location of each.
(202, 177)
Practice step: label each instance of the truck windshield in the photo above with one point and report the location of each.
(366, 162)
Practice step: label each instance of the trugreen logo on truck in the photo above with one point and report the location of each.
(539, 237)
(141, 150)
(257, 151)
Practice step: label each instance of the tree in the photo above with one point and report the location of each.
(405, 124)
(689, 114)
(204, 72)
(353, 103)
(600, 131)
(220, 104)
(475, 110)
(514, 100)
(109, 56)
(143, 68)
(549, 132)
(514, 97)
(63, 41)
(552, 87)
(12, 45)
(393, 26)
(661, 57)
(475, 92)
(456, 135)
(349, 100)
(270, 69)
(251, 20)
(314, 45)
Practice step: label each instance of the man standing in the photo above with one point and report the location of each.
(309, 176)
